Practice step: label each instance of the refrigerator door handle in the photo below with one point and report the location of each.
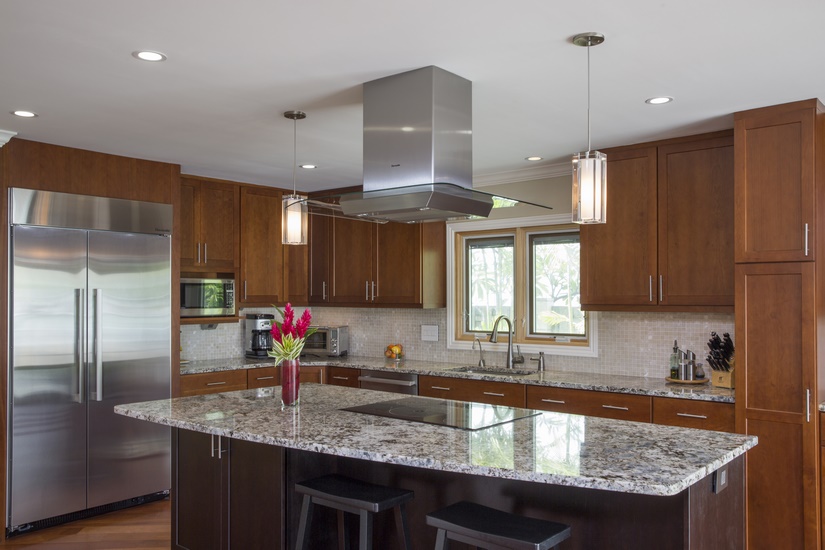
(79, 356)
(98, 352)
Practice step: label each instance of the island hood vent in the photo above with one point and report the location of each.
(418, 151)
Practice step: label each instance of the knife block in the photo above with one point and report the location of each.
(723, 379)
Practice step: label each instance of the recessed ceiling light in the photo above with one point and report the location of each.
(148, 55)
(309, 166)
(24, 114)
(533, 159)
(659, 100)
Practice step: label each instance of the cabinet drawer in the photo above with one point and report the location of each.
(262, 377)
(478, 391)
(621, 406)
(342, 376)
(213, 382)
(688, 413)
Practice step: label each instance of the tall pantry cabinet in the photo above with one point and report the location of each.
(780, 309)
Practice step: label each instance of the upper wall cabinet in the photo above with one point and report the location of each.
(209, 225)
(261, 278)
(775, 201)
(667, 243)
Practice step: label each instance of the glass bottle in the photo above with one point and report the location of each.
(674, 362)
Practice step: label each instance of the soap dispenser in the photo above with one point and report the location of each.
(674, 362)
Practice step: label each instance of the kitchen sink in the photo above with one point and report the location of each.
(495, 370)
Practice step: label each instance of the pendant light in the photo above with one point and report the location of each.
(294, 219)
(590, 167)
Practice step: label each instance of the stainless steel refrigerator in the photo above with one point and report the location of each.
(89, 328)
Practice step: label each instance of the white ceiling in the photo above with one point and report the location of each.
(234, 67)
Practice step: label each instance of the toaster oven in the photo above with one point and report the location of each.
(328, 342)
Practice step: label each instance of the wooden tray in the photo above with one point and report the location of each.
(674, 381)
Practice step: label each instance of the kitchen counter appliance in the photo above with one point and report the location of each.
(207, 297)
(327, 341)
(258, 330)
(90, 314)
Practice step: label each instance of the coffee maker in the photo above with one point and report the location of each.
(258, 331)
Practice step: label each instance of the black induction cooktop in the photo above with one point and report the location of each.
(445, 412)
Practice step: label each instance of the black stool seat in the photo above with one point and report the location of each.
(353, 496)
(485, 527)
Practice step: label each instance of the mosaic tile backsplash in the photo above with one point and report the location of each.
(633, 344)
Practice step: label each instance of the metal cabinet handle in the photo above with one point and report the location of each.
(205, 261)
(373, 291)
(808, 392)
(199, 253)
(391, 382)
(688, 415)
(212, 445)
(553, 401)
(439, 388)
(215, 383)
(324, 291)
(367, 291)
(220, 450)
(340, 377)
(265, 378)
(244, 289)
(661, 294)
(615, 408)
(650, 289)
(98, 347)
(493, 394)
(806, 239)
(79, 343)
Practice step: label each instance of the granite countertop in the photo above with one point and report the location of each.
(562, 379)
(554, 448)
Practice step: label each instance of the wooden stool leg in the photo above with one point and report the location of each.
(441, 542)
(303, 524)
(365, 528)
(401, 525)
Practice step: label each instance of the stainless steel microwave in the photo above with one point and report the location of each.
(328, 342)
(207, 297)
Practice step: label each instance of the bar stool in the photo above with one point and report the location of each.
(492, 529)
(356, 497)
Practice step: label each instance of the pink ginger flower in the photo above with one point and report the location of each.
(303, 323)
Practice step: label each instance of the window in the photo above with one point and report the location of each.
(526, 269)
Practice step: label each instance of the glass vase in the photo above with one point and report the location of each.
(290, 382)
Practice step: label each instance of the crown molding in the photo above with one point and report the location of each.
(523, 174)
(5, 136)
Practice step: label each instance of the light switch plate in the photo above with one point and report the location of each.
(429, 333)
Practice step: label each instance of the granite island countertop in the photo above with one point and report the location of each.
(554, 448)
(561, 379)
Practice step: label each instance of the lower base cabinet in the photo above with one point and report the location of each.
(621, 406)
(227, 493)
(478, 391)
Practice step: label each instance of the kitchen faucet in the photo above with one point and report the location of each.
(494, 338)
(480, 352)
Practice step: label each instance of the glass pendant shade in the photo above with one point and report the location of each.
(294, 221)
(590, 187)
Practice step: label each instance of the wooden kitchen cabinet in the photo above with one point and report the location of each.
(343, 376)
(263, 377)
(228, 493)
(313, 375)
(261, 280)
(776, 400)
(209, 225)
(666, 245)
(479, 391)
(777, 185)
(691, 413)
(355, 263)
(621, 406)
(212, 382)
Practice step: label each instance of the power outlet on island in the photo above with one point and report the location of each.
(429, 333)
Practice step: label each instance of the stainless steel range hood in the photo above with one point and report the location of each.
(418, 151)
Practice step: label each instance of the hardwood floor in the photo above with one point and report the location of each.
(138, 528)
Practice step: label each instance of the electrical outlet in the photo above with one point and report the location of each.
(429, 333)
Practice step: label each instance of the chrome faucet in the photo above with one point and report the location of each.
(494, 338)
(480, 352)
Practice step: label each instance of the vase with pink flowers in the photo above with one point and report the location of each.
(288, 339)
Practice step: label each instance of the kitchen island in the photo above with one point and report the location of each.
(619, 484)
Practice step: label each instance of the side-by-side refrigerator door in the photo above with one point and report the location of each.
(129, 361)
(47, 424)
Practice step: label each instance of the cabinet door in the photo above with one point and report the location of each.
(775, 183)
(618, 258)
(313, 375)
(621, 406)
(218, 222)
(320, 258)
(352, 249)
(398, 263)
(343, 376)
(296, 275)
(199, 492)
(262, 254)
(695, 195)
(212, 382)
(256, 509)
(262, 377)
(689, 413)
(775, 389)
(476, 391)
(188, 240)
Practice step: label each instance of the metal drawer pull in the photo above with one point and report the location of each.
(688, 415)
(340, 377)
(493, 394)
(212, 445)
(439, 388)
(650, 289)
(215, 383)
(553, 401)
(390, 381)
(614, 407)
(806, 239)
(265, 378)
(661, 295)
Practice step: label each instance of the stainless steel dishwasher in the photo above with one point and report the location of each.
(395, 382)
